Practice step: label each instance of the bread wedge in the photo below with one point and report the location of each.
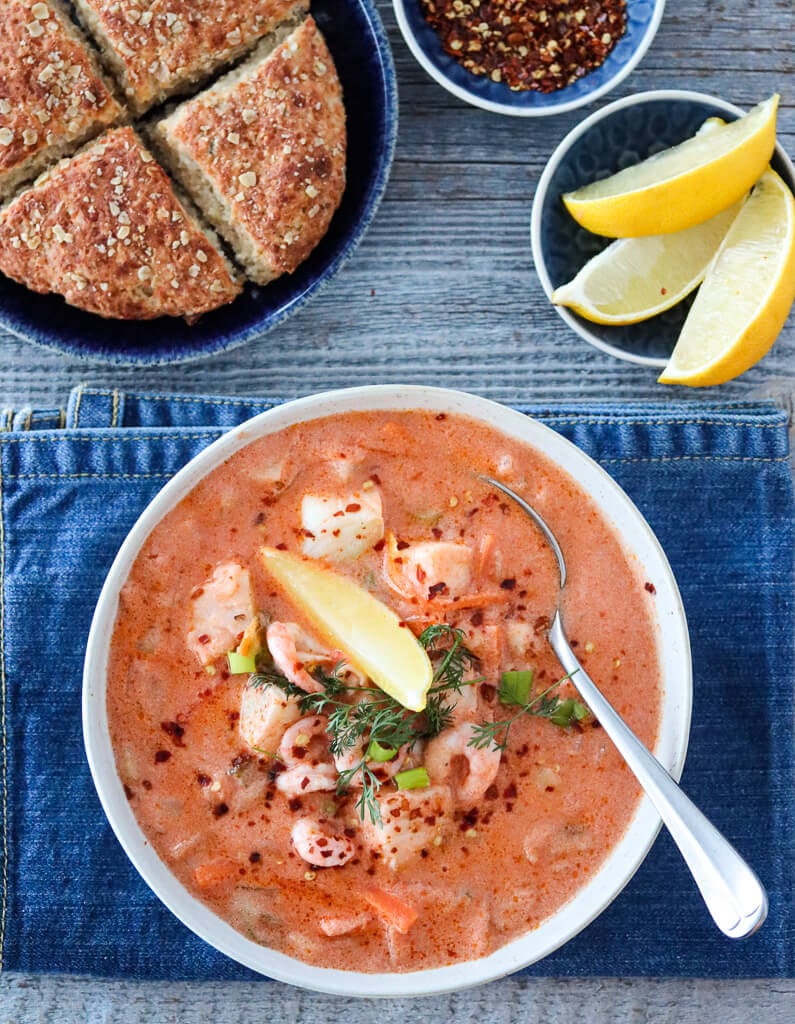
(53, 96)
(162, 47)
(106, 230)
(263, 152)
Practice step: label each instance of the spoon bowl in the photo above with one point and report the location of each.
(733, 894)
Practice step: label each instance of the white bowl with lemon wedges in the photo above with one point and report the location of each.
(663, 230)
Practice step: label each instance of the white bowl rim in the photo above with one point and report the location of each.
(542, 188)
(505, 108)
(589, 900)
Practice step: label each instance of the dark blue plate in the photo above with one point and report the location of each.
(621, 134)
(357, 41)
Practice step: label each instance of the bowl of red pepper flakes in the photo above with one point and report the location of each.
(528, 58)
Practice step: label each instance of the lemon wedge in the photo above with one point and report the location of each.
(637, 278)
(681, 186)
(347, 616)
(747, 292)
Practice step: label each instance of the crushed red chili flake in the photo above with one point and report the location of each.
(542, 45)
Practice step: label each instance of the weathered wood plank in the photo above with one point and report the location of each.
(443, 291)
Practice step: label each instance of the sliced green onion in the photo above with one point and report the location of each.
(413, 778)
(580, 711)
(375, 752)
(515, 687)
(568, 712)
(240, 664)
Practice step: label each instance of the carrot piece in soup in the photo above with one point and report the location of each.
(214, 872)
(392, 909)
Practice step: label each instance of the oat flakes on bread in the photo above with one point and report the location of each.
(262, 152)
(157, 48)
(53, 97)
(106, 230)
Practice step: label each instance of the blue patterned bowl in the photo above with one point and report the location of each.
(358, 43)
(643, 19)
(621, 134)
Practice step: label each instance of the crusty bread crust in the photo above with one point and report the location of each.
(52, 94)
(106, 231)
(263, 152)
(161, 47)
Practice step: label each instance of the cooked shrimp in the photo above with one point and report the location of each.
(465, 708)
(307, 741)
(283, 640)
(292, 650)
(319, 844)
(301, 779)
(220, 610)
(452, 746)
(304, 750)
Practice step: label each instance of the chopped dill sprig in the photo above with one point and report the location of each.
(563, 712)
(367, 801)
(359, 715)
(445, 644)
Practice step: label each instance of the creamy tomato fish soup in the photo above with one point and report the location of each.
(332, 702)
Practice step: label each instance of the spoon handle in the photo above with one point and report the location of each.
(733, 894)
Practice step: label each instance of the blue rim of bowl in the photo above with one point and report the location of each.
(577, 324)
(430, 55)
(21, 327)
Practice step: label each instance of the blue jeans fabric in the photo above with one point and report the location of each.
(712, 479)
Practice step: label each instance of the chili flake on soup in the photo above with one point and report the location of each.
(303, 803)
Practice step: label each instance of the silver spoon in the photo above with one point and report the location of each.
(733, 894)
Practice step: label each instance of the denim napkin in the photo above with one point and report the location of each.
(712, 479)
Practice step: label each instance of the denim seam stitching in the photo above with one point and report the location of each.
(114, 422)
(558, 418)
(3, 733)
(617, 420)
(167, 476)
(695, 458)
(116, 437)
(214, 428)
(201, 400)
(198, 400)
(90, 476)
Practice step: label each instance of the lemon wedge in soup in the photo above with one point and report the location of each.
(347, 616)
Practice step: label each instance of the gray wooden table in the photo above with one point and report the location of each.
(443, 291)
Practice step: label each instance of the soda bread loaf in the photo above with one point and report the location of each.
(156, 48)
(53, 96)
(263, 152)
(106, 230)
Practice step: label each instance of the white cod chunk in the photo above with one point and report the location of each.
(221, 608)
(429, 564)
(265, 714)
(340, 528)
(411, 820)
